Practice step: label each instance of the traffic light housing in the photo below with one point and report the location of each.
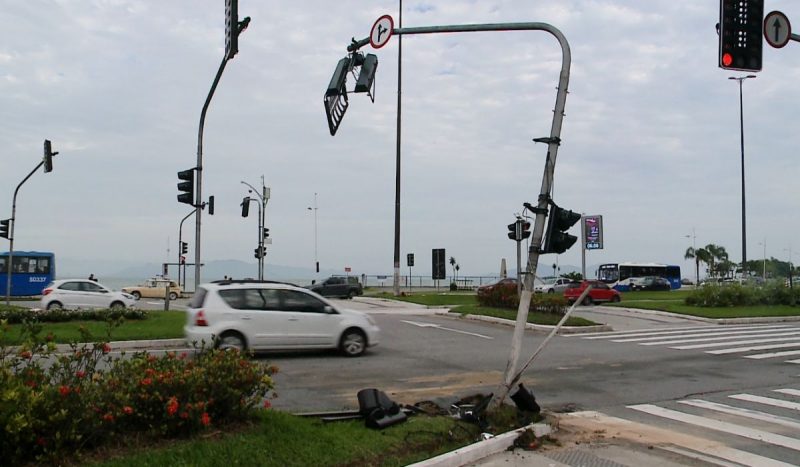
(48, 156)
(741, 34)
(556, 238)
(186, 187)
(335, 99)
(184, 248)
(210, 205)
(231, 28)
(519, 230)
(266, 232)
(512, 231)
(525, 229)
(245, 206)
(260, 252)
(366, 77)
(5, 228)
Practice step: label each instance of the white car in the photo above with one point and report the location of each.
(263, 315)
(83, 293)
(553, 286)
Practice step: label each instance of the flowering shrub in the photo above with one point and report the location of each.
(772, 293)
(505, 296)
(16, 315)
(52, 404)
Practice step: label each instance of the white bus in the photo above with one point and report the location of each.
(617, 275)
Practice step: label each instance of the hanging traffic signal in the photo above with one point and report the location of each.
(366, 77)
(231, 28)
(335, 99)
(184, 248)
(740, 34)
(48, 156)
(210, 205)
(266, 232)
(245, 206)
(260, 252)
(512, 232)
(5, 228)
(186, 187)
(556, 238)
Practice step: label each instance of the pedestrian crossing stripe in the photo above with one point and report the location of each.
(737, 333)
(753, 348)
(741, 412)
(791, 392)
(717, 425)
(671, 331)
(767, 401)
(773, 338)
(773, 354)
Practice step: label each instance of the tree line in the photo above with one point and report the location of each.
(719, 266)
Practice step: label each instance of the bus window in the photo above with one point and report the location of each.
(3, 269)
(42, 265)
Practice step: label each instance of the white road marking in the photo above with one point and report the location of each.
(791, 392)
(753, 348)
(754, 414)
(680, 331)
(725, 427)
(437, 326)
(725, 332)
(772, 338)
(767, 401)
(787, 353)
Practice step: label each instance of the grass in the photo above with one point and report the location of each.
(158, 325)
(433, 298)
(282, 439)
(535, 318)
(715, 313)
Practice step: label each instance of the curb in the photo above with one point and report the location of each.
(535, 327)
(477, 451)
(132, 345)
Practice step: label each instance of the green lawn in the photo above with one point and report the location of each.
(535, 318)
(728, 312)
(433, 298)
(158, 325)
(281, 439)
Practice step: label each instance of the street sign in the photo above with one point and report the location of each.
(593, 232)
(347, 269)
(381, 31)
(777, 29)
(438, 270)
(410, 259)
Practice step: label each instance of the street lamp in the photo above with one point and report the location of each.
(696, 262)
(791, 265)
(764, 273)
(316, 261)
(741, 132)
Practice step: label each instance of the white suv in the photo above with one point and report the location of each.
(263, 315)
(83, 293)
(553, 286)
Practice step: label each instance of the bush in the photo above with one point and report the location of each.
(505, 296)
(52, 405)
(16, 315)
(728, 295)
(453, 286)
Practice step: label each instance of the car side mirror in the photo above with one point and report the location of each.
(329, 310)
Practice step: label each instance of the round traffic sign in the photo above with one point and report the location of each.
(777, 29)
(381, 31)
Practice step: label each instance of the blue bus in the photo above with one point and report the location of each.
(616, 275)
(30, 273)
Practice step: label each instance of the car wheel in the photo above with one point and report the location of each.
(615, 299)
(353, 342)
(350, 295)
(231, 340)
(136, 294)
(117, 306)
(55, 306)
(588, 301)
(173, 296)
(551, 291)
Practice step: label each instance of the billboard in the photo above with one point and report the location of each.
(593, 232)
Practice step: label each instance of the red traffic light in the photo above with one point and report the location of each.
(727, 59)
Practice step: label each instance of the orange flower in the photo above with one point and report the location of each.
(127, 409)
(184, 415)
(146, 381)
(172, 406)
(106, 348)
(63, 390)
(80, 373)
(108, 417)
(205, 419)
(267, 404)
(25, 354)
(149, 372)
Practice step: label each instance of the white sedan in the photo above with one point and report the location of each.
(83, 293)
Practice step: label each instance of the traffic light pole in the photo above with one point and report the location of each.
(180, 249)
(11, 233)
(262, 220)
(553, 141)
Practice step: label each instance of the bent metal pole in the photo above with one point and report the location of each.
(510, 375)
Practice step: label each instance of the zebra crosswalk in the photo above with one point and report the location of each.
(754, 341)
(768, 424)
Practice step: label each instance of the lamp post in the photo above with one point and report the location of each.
(263, 197)
(764, 272)
(316, 261)
(741, 133)
(696, 262)
(791, 265)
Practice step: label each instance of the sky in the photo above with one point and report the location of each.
(650, 139)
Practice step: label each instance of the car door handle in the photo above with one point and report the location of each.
(245, 317)
(294, 319)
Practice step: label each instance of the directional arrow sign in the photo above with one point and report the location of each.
(433, 325)
(777, 29)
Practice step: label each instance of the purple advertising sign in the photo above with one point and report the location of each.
(593, 232)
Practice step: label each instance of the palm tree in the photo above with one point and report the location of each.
(458, 268)
(453, 265)
(700, 255)
(718, 258)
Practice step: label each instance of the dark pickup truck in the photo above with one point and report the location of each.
(337, 286)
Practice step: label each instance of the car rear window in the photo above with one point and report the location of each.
(198, 298)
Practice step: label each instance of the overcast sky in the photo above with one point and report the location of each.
(650, 139)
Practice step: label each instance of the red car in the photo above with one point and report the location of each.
(600, 292)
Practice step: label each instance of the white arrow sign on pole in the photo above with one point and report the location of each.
(777, 29)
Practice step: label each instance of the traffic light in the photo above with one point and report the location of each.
(245, 206)
(266, 232)
(186, 187)
(335, 99)
(260, 252)
(525, 229)
(48, 156)
(210, 205)
(366, 77)
(512, 231)
(740, 34)
(231, 28)
(556, 238)
(5, 228)
(184, 248)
